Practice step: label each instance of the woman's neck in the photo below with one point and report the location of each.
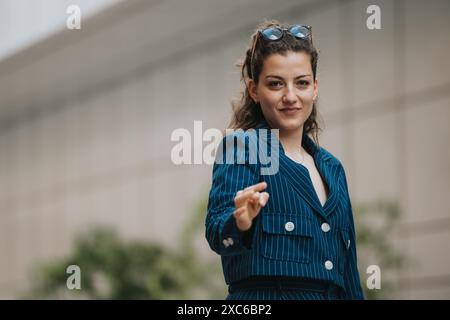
(291, 140)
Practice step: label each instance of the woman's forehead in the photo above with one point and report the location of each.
(292, 63)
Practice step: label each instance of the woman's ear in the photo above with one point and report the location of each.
(252, 90)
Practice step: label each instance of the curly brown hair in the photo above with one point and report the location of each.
(247, 114)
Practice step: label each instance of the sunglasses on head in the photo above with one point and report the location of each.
(275, 33)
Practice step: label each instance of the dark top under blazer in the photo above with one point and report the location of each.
(271, 249)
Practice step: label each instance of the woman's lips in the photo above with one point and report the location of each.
(290, 111)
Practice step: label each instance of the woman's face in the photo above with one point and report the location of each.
(286, 90)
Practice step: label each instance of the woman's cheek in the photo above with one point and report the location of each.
(270, 104)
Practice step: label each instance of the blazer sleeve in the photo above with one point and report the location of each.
(230, 175)
(352, 283)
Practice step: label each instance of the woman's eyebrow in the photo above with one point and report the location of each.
(278, 77)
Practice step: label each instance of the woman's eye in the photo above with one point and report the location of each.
(275, 84)
(303, 83)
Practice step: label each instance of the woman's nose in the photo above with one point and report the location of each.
(289, 96)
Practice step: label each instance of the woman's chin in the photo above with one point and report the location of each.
(291, 125)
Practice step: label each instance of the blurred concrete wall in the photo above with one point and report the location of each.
(24, 22)
(86, 118)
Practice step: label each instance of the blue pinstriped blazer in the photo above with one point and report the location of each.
(293, 235)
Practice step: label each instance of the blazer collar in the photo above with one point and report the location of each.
(298, 175)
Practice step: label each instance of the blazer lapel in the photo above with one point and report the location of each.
(329, 171)
(299, 179)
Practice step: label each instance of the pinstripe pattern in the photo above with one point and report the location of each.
(268, 248)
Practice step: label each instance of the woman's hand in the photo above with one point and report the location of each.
(248, 203)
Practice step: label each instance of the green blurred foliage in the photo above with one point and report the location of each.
(112, 268)
(374, 224)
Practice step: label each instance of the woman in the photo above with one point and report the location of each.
(288, 234)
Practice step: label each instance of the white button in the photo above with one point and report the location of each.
(325, 227)
(348, 244)
(328, 265)
(225, 243)
(230, 241)
(289, 226)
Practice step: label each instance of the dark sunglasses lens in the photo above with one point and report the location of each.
(300, 32)
(272, 33)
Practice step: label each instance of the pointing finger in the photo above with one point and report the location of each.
(257, 187)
